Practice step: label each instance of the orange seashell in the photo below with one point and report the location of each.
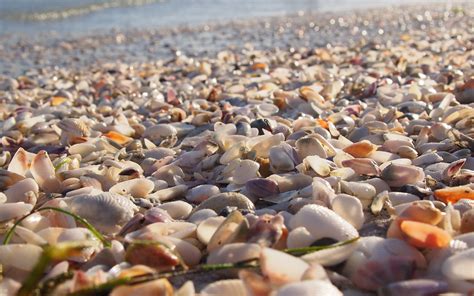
(323, 123)
(360, 149)
(424, 235)
(453, 194)
(117, 137)
(259, 66)
(55, 101)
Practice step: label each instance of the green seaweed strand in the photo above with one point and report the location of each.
(89, 226)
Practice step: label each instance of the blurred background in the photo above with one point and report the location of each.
(88, 16)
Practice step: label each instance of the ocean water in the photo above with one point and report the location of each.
(30, 17)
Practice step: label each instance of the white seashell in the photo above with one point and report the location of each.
(21, 256)
(187, 289)
(299, 238)
(10, 211)
(21, 161)
(201, 192)
(245, 170)
(364, 191)
(208, 227)
(172, 174)
(43, 172)
(138, 188)
(280, 267)
(106, 211)
(82, 149)
(199, 216)
(19, 192)
(178, 210)
(307, 146)
(349, 208)
(225, 287)
(233, 253)
(309, 288)
(262, 144)
(169, 193)
(9, 286)
(190, 254)
(319, 165)
(322, 222)
(159, 131)
(397, 198)
(29, 236)
(175, 229)
(459, 266)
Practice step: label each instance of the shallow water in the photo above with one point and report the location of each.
(30, 17)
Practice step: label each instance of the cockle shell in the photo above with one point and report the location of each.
(106, 211)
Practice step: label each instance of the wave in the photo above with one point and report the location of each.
(53, 15)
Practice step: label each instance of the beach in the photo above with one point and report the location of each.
(295, 150)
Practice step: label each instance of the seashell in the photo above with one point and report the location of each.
(397, 198)
(21, 256)
(322, 191)
(178, 210)
(281, 268)
(415, 287)
(397, 175)
(160, 131)
(43, 172)
(9, 286)
(381, 157)
(83, 149)
(321, 166)
(261, 188)
(362, 166)
(299, 237)
(169, 193)
(360, 149)
(106, 211)
(375, 274)
(9, 211)
(322, 222)
(459, 266)
(467, 221)
(424, 235)
(307, 146)
(19, 192)
(291, 181)
(229, 199)
(199, 216)
(151, 254)
(74, 127)
(363, 191)
(21, 161)
(453, 194)
(156, 287)
(138, 188)
(269, 230)
(208, 227)
(172, 174)
(187, 289)
(200, 193)
(118, 137)
(225, 287)
(157, 230)
(422, 212)
(282, 158)
(349, 208)
(233, 253)
(262, 145)
(307, 288)
(245, 171)
(8, 178)
(427, 159)
(233, 229)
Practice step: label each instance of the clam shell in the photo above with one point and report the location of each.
(229, 199)
(138, 188)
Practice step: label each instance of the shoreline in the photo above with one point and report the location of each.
(283, 32)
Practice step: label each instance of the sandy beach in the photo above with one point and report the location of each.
(315, 153)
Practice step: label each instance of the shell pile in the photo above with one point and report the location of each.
(248, 155)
